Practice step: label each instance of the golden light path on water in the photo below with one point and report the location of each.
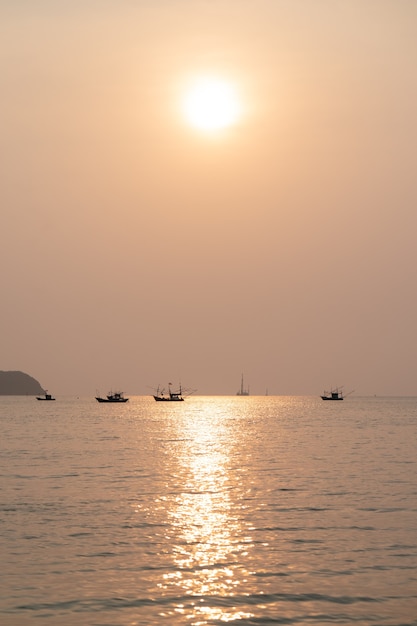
(209, 537)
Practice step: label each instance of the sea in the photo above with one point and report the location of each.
(216, 510)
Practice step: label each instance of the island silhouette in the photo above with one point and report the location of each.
(19, 384)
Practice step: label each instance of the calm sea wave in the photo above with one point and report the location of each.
(255, 510)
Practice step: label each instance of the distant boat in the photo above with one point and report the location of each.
(117, 396)
(333, 394)
(47, 396)
(172, 396)
(242, 391)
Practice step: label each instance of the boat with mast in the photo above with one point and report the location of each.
(333, 394)
(115, 397)
(242, 391)
(172, 396)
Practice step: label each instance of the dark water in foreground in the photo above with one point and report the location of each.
(259, 511)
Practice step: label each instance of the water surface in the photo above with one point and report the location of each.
(254, 510)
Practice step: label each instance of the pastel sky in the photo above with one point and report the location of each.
(137, 249)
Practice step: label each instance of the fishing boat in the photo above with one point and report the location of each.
(242, 391)
(172, 396)
(46, 396)
(333, 394)
(117, 396)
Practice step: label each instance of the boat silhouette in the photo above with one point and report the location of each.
(335, 393)
(172, 396)
(242, 391)
(114, 397)
(47, 396)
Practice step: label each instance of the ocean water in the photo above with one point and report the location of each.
(246, 510)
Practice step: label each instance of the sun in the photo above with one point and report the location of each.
(211, 104)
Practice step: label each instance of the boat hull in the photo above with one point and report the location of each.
(120, 401)
(159, 399)
(332, 399)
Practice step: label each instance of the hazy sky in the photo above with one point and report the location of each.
(137, 249)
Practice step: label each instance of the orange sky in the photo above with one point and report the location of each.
(136, 249)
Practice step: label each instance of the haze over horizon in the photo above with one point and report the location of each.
(140, 248)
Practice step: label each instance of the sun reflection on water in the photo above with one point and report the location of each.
(207, 534)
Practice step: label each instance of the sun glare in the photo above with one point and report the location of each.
(211, 104)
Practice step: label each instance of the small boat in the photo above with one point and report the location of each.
(117, 396)
(333, 394)
(242, 391)
(173, 396)
(47, 396)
